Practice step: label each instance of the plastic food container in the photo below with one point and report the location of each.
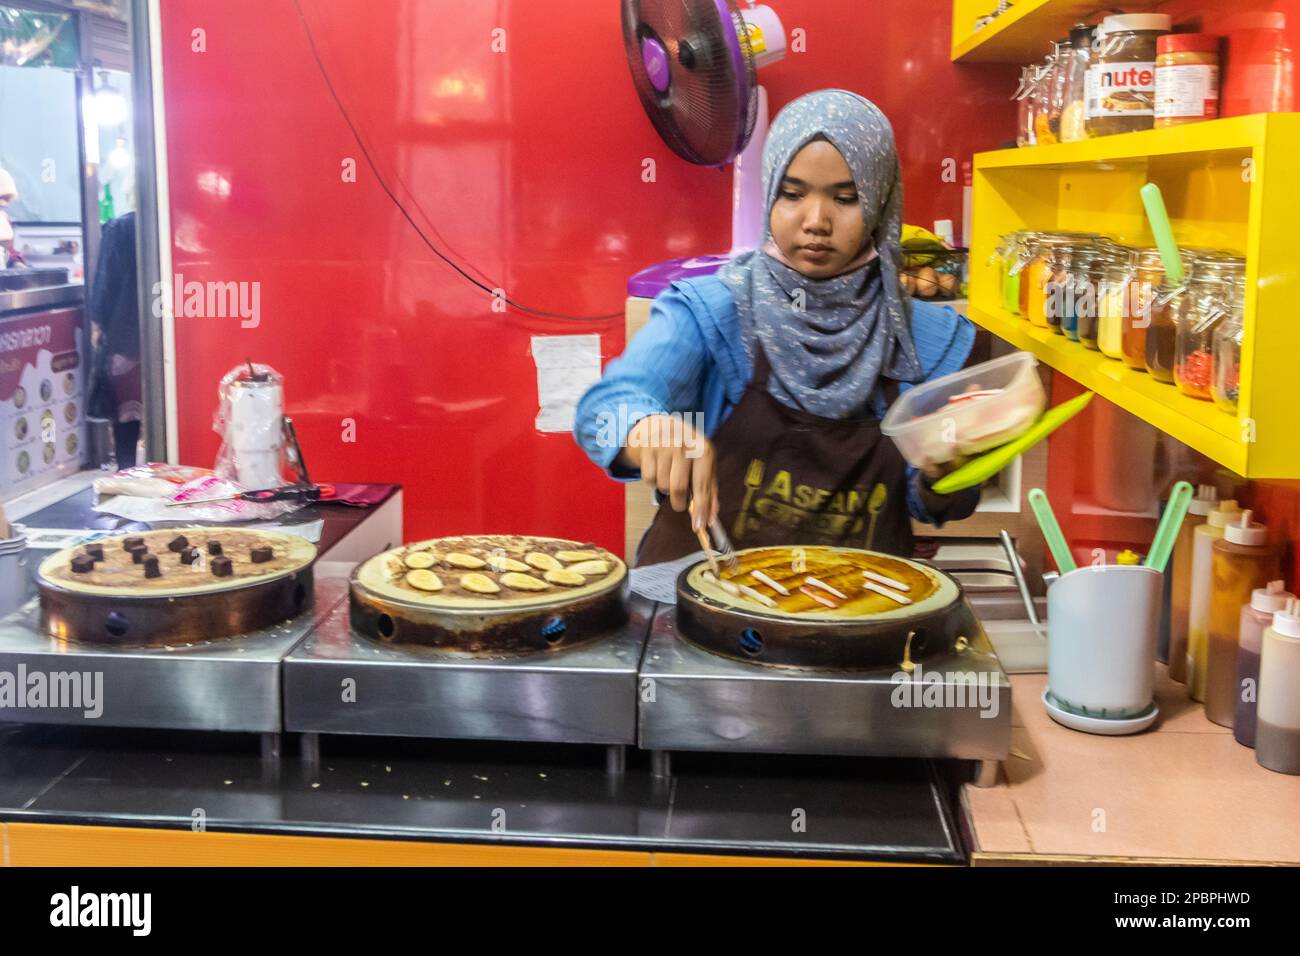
(967, 412)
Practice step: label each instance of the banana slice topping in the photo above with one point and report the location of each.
(542, 562)
(424, 580)
(499, 562)
(479, 584)
(565, 576)
(523, 582)
(570, 556)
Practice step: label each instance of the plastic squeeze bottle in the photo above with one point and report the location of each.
(1198, 605)
(1277, 737)
(1255, 617)
(1180, 583)
(1240, 561)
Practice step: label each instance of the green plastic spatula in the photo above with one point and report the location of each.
(1163, 543)
(1051, 530)
(1163, 232)
(981, 469)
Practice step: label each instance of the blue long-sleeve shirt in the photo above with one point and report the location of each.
(690, 357)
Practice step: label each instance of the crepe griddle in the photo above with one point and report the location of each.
(882, 634)
(545, 621)
(200, 608)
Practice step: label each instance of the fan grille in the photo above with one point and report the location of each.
(707, 113)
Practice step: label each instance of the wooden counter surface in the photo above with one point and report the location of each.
(1182, 792)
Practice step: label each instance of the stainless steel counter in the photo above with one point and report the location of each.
(17, 300)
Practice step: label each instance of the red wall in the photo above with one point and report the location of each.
(524, 167)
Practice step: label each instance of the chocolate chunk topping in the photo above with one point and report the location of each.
(83, 563)
(214, 547)
(221, 566)
(152, 569)
(133, 544)
(178, 543)
(189, 555)
(261, 554)
(138, 554)
(95, 551)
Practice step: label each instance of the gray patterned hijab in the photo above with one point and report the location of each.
(855, 327)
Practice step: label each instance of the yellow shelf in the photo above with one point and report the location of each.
(1200, 425)
(1025, 32)
(1220, 135)
(1228, 184)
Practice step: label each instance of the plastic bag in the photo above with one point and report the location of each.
(250, 421)
(231, 509)
(152, 480)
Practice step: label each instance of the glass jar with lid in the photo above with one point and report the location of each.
(1082, 299)
(1162, 331)
(1024, 97)
(1122, 73)
(1076, 81)
(1109, 259)
(1003, 258)
(1052, 96)
(1113, 300)
(1211, 292)
(1047, 97)
(1021, 254)
(1226, 378)
(1148, 276)
(1045, 278)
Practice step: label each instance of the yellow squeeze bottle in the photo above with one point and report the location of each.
(1198, 608)
(1180, 580)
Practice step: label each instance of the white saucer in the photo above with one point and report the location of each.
(1107, 726)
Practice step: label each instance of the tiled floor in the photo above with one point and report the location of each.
(1183, 790)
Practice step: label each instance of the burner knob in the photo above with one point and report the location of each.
(116, 623)
(554, 629)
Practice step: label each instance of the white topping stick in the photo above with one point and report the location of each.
(886, 592)
(729, 586)
(820, 599)
(889, 582)
(825, 587)
(758, 596)
(775, 586)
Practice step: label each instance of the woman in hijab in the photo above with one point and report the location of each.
(755, 395)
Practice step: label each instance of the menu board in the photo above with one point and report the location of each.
(42, 384)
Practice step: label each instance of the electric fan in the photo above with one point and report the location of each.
(694, 64)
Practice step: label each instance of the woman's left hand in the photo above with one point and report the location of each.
(936, 470)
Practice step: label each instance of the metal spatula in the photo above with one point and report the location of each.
(723, 544)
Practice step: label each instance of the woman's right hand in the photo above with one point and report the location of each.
(678, 460)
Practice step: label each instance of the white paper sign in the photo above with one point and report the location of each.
(567, 365)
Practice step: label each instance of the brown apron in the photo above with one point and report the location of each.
(788, 477)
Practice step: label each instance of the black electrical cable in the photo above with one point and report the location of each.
(374, 169)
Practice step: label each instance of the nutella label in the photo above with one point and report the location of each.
(1121, 89)
(1189, 91)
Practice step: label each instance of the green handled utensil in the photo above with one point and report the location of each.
(1170, 522)
(1051, 531)
(1170, 257)
(981, 469)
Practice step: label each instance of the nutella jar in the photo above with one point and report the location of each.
(1122, 80)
